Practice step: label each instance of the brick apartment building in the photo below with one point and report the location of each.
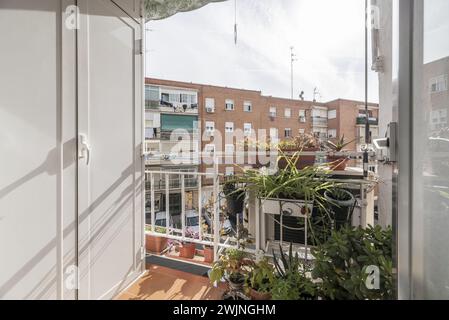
(226, 110)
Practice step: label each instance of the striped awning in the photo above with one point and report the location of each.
(161, 9)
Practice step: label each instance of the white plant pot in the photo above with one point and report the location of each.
(292, 208)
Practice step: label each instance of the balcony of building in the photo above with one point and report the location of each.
(318, 121)
(203, 225)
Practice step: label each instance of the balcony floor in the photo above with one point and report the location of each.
(161, 283)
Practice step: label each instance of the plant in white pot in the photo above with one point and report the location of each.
(299, 190)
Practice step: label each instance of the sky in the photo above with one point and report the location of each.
(328, 37)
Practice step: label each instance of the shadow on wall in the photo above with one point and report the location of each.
(50, 280)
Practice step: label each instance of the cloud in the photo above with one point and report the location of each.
(328, 37)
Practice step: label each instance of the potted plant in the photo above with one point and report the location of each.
(260, 280)
(337, 163)
(153, 243)
(234, 199)
(302, 143)
(208, 251)
(188, 249)
(341, 205)
(232, 266)
(291, 281)
(341, 264)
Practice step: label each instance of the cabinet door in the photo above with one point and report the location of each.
(110, 180)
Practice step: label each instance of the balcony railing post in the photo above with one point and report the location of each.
(153, 219)
(216, 210)
(167, 203)
(183, 207)
(200, 209)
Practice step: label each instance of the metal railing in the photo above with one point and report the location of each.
(163, 182)
(170, 233)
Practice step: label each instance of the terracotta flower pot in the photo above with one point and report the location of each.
(303, 161)
(155, 244)
(256, 295)
(337, 163)
(208, 254)
(187, 250)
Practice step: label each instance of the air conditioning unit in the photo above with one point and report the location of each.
(210, 110)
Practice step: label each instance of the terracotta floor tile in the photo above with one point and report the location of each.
(160, 283)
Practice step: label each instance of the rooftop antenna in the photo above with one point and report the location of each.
(293, 58)
(315, 94)
(235, 22)
(367, 129)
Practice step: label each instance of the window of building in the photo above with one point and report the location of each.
(302, 116)
(247, 106)
(332, 114)
(287, 112)
(288, 132)
(273, 111)
(210, 127)
(229, 149)
(438, 84)
(274, 133)
(247, 128)
(229, 127)
(229, 171)
(301, 131)
(210, 104)
(209, 149)
(332, 133)
(229, 105)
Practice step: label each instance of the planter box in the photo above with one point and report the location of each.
(155, 244)
(303, 161)
(293, 208)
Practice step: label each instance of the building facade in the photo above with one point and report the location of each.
(228, 116)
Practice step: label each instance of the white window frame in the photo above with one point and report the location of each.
(245, 128)
(332, 133)
(229, 125)
(440, 82)
(288, 112)
(332, 114)
(229, 171)
(229, 149)
(229, 102)
(247, 106)
(209, 148)
(302, 116)
(288, 130)
(210, 127)
(273, 112)
(210, 104)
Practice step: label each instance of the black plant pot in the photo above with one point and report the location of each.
(235, 202)
(341, 209)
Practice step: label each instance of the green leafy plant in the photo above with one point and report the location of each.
(157, 229)
(289, 183)
(291, 282)
(339, 145)
(300, 142)
(262, 276)
(342, 264)
(232, 265)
